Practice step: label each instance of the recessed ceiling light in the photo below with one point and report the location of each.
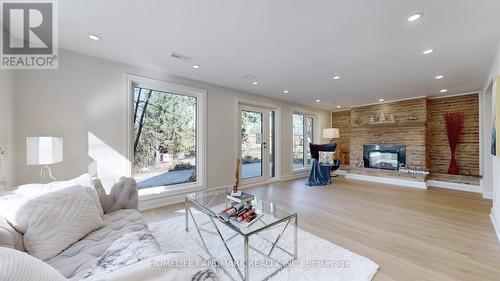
(338, 106)
(285, 92)
(414, 17)
(196, 66)
(318, 100)
(429, 51)
(94, 37)
(444, 91)
(336, 77)
(255, 83)
(439, 77)
(381, 100)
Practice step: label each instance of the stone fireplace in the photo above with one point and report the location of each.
(384, 156)
(420, 127)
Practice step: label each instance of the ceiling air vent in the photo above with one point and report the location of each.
(249, 77)
(180, 56)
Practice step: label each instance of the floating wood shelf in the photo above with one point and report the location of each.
(376, 123)
(400, 123)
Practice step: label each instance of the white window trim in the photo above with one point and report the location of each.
(163, 86)
(315, 117)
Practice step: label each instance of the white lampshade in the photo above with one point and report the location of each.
(44, 150)
(331, 133)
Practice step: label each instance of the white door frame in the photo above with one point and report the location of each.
(277, 138)
(264, 149)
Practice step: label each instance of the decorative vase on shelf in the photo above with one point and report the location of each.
(392, 118)
(372, 119)
(382, 117)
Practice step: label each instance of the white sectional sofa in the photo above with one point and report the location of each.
(121, 247)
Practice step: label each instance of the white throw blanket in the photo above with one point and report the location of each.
(168, 267)
(136, 256)
(19, 266)
(130, 249)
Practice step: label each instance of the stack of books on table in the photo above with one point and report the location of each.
(242, 213)
(241, 197)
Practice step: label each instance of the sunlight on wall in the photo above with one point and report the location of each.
(108, 163)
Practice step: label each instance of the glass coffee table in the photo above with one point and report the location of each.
(271, 216)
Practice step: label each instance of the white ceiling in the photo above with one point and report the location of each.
(297, 45)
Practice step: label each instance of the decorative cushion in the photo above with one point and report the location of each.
(19, 266)
(326, 157)
(53, 221)
(119, 195)
(36, 189)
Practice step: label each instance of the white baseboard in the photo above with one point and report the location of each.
(159, 202)
(294, 176)
(392, 181)
(167, 200)
(455, 186)
(488, 195)
(340, 172)
(496, 225)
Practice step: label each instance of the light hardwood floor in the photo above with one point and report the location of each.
(412, 234)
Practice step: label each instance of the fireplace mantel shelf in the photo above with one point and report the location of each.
(377, 123)
(388, 123)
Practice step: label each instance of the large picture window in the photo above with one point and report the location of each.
(166, 138)
(303, 135)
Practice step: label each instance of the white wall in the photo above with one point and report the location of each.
(7, 123)
(487, 158)
(89, 95)
(495, 160)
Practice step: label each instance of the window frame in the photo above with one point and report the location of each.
(163, 86)
(314, 117)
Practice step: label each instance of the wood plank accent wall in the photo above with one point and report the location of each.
(468, 148)
(425, 138)
(342, 121)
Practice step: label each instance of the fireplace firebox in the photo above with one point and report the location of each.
(384, 156)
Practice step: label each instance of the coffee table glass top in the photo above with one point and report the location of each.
(269, 213)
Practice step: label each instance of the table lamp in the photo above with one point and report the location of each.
(44, 151)
(331, 133)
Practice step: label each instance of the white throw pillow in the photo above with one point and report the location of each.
(326, 157)
(19, 266)
(53, 221)
(85, 180)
